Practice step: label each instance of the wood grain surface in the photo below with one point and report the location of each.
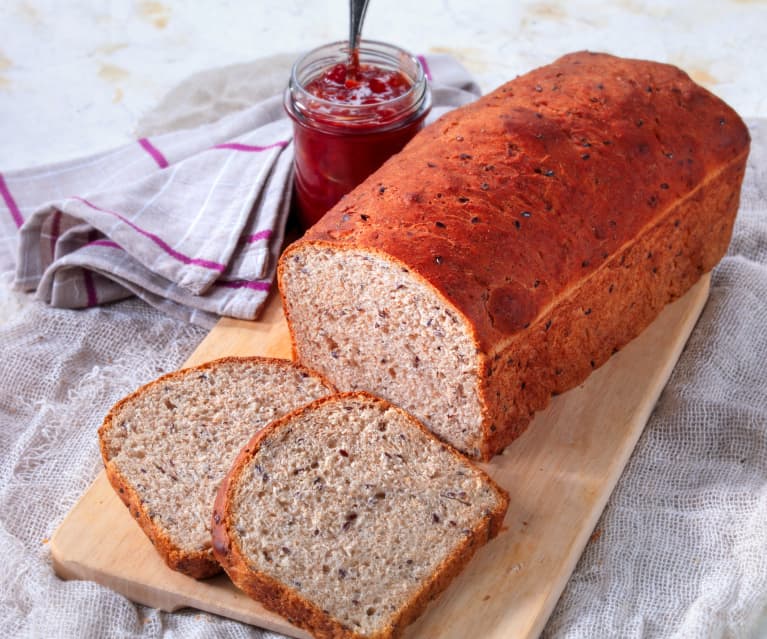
(559, 474)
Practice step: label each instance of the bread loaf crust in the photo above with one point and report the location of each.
(288, 602)
(557, 215)
(197, 564)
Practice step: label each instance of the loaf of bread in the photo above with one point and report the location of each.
(167, 446)
(348, 516)
(517, 242)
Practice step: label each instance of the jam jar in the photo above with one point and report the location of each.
(348, 118)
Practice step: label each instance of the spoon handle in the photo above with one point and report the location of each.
(357, 9)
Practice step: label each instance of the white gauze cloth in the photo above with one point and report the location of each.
(191, 221)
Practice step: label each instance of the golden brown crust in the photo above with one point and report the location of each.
(520, 150)
(285, 600)
(517, 208)
(610, 308)
(198, 564)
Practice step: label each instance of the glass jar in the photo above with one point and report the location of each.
(337, 143)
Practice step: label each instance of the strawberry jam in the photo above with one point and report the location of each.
(349, 121)
(365, 84)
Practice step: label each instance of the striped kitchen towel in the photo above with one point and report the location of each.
(191, 221)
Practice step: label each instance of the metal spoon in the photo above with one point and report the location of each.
(357, 9)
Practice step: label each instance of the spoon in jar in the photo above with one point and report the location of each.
(357, 9)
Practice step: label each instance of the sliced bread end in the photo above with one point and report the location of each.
(348, 516)
(167, 446)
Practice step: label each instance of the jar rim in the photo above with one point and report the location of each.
(309, 65)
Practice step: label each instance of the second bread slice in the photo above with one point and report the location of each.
(167, 446)
(347, 517)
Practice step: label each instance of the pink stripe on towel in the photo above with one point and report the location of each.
(184, 259)
(255, 285)
(90, 286)
(55, 230)
(261, 235)
(154, 152)
(18, 219)
(250, 148)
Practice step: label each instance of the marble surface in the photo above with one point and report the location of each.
(76, 76)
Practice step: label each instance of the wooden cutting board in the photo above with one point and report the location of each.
(559, 474)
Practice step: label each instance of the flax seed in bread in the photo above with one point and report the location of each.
(348, 516)
(167, 446)
(517, 242)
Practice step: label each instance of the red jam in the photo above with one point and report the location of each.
(347, 123)
(365, 84)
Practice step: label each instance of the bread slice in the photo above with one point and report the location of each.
(167, 446)
(517, 242)
(348, 516)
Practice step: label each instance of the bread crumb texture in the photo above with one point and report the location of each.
(355, 508)
(173, 441)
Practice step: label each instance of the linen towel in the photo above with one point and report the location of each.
(191, 221)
